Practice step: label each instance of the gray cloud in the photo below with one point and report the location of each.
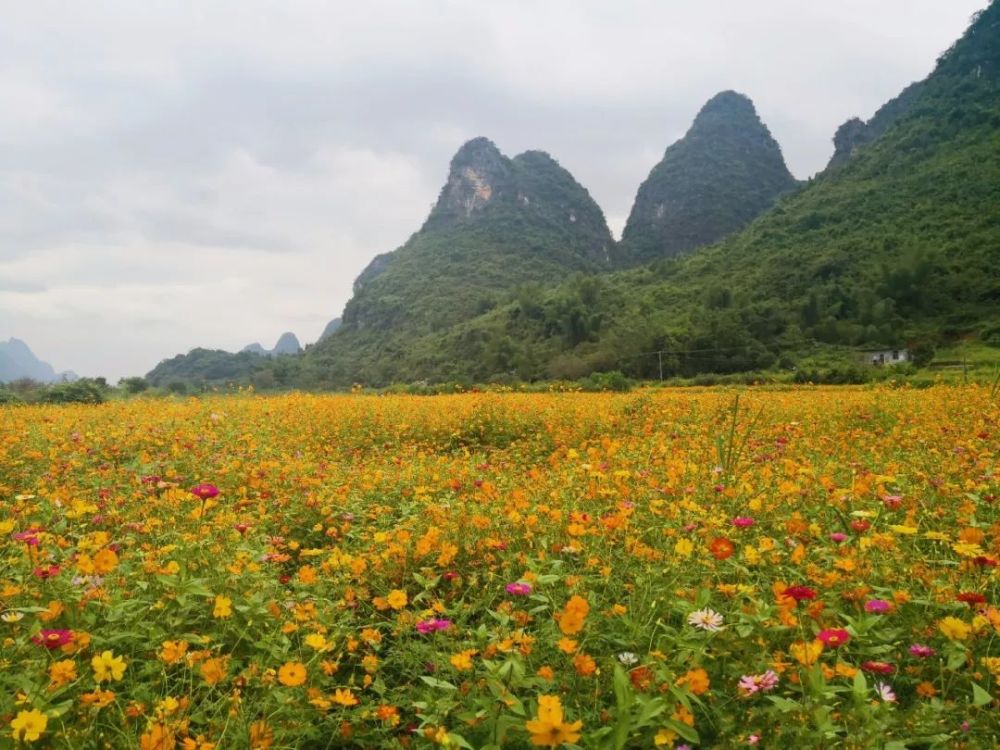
(214, 173)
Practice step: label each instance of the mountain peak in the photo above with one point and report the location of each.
(288, 343)
(479, 174)
(722, 174)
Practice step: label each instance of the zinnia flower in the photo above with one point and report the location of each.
(53, 638)
(706, 619)
(921, 651)
(834, 637)
(758, 683)
(430, 626)
(878, 667)
(800, 593)
(518, 589)
(877, 606)
(204, 491)
(743, 522)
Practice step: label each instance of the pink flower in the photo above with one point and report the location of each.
(758, 683)
(29, 537)
(53, 638)
(518, 589)
(431, 626)
(878, 667)
(743, 522)
(877, 606)
(921, 651)
(892, 502)
(885, 692)
(838, 537)
(204, 491)
(834, 637)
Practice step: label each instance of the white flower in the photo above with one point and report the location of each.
(706, 619)
(12, 616)
(885, 692)
(628, 658)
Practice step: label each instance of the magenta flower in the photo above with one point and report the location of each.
(834, 637)
(29, 537)
(743, 522)
(877, 606)
(53, 638)
(838, 537)
(204, 491)
(518, 589)
(431, 626)
(921, 651)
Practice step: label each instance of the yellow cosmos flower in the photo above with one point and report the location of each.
(549, 729)
(108, 667)
(954, 629)
(28, 726)
(344, 698)
(223, 607)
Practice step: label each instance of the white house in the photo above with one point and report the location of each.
(883, 357)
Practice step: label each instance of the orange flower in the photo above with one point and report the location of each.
(292, 674)
(721, 548)
(158, 737)
(584, 665)
(696, 680)
(549, 729)
(573, 615)
(105, 561)
(213, 671)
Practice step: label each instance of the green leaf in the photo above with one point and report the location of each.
(980, 697)
(436, 683)
(683, 730)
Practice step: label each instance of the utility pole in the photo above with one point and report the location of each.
(659, 357)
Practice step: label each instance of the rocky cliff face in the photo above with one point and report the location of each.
(721, 175)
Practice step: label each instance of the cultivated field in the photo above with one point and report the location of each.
(799, 568)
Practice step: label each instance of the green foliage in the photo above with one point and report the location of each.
(82, 391)
(724, 173)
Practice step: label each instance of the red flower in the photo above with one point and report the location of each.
(53, 638)
(642, 678)
(878, 667)
(800, 593)
(721, 548)
(49, 571)
(861, 525)
(834, 637)
(972, 598)
(204, 491)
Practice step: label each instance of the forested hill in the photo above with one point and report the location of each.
(898, 245)
(721, 175)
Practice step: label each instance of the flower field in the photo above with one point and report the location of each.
(677, 568)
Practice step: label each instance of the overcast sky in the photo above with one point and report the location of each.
(181, 174)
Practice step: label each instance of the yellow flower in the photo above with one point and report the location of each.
(344, 698)
(317, 642)
(292, 674)
(462, 661)
(683, 548)
(806, 653)
(397, 599)
(954, 629)
(28, 725)
(223, 607)
(108, 667)
(549, 729)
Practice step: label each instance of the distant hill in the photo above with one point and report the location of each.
(720, 176)
(18, 361)
(331, 327)
(499, 224)
(218, 367)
